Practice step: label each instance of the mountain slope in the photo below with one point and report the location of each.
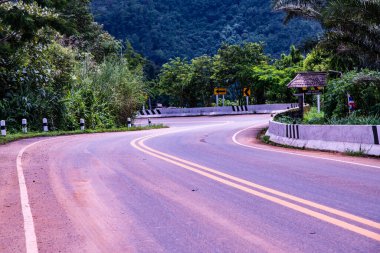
(167, 28)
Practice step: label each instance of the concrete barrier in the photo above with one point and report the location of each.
(210, 111)
(340, 138)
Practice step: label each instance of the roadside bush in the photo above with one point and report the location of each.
(105, 95)
(312, 117)
(36, 87)
(227, 102)
(354, 119)
(286, 119)
(363, 86)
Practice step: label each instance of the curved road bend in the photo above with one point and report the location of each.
(189, 188)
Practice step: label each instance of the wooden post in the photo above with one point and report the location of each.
(300, 106)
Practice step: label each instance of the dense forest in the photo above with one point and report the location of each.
(164, 29)
(349, 45)
(56, 62)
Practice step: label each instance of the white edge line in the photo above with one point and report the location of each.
(290, 153)
(29, 228)
(30, 234)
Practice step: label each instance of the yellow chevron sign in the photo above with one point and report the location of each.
(247, 92)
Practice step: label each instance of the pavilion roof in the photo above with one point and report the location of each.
(307, 79)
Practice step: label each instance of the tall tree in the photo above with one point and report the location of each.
(175, 78)
(351, 27)
(232, 66)
(201, 83)
(167, 29)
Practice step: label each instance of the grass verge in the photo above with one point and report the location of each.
(359, 153)
(18, 136)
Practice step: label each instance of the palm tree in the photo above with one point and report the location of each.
(352, 28)
(309, 9)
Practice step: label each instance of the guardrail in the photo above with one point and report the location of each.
(363, 138)
(209, 111)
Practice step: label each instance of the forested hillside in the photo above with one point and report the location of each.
(64, 69)
(169, 28)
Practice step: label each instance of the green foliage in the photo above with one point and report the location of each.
(360, 153)
(355, 119)
(190, 84)
(270, 83)
(175, 78)
(317, 60)
(286, 119)
(351, 29)
(41, 75)
(19, 23)
(166, 29)
(265, 139)
(201, 84)
(232, 66)
(34, 87)
(227, 102)
(363, 86)
(105, 95)
(312, 117)
(294, 58)
(231, 61)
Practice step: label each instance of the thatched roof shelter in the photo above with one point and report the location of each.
(309, 79)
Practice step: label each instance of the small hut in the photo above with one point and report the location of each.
(310, 83)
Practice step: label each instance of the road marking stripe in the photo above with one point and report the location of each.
(139, 144)
(30, 234)
(176, 122)
(291, 153)
(29, 228)
(269, 190)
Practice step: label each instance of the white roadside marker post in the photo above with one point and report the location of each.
(24, 127)
(149, 122)
(81, 123)
(3, 129)
(129, 122)
(45, 124)
(319, 103)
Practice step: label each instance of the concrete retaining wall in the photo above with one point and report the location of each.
(327, 137)
(208, 111)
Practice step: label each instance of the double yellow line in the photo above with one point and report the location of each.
(295, 203)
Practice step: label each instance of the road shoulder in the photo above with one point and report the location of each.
(12, 238)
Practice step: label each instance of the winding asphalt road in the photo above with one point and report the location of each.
(203, 185)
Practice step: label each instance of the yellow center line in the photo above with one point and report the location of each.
(205, 171)
(269, 190)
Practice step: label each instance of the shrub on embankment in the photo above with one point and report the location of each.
(64, 69)
(363, 87)
(314, 118)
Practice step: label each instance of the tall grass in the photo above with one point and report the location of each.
(312, 117)
(355, 120)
